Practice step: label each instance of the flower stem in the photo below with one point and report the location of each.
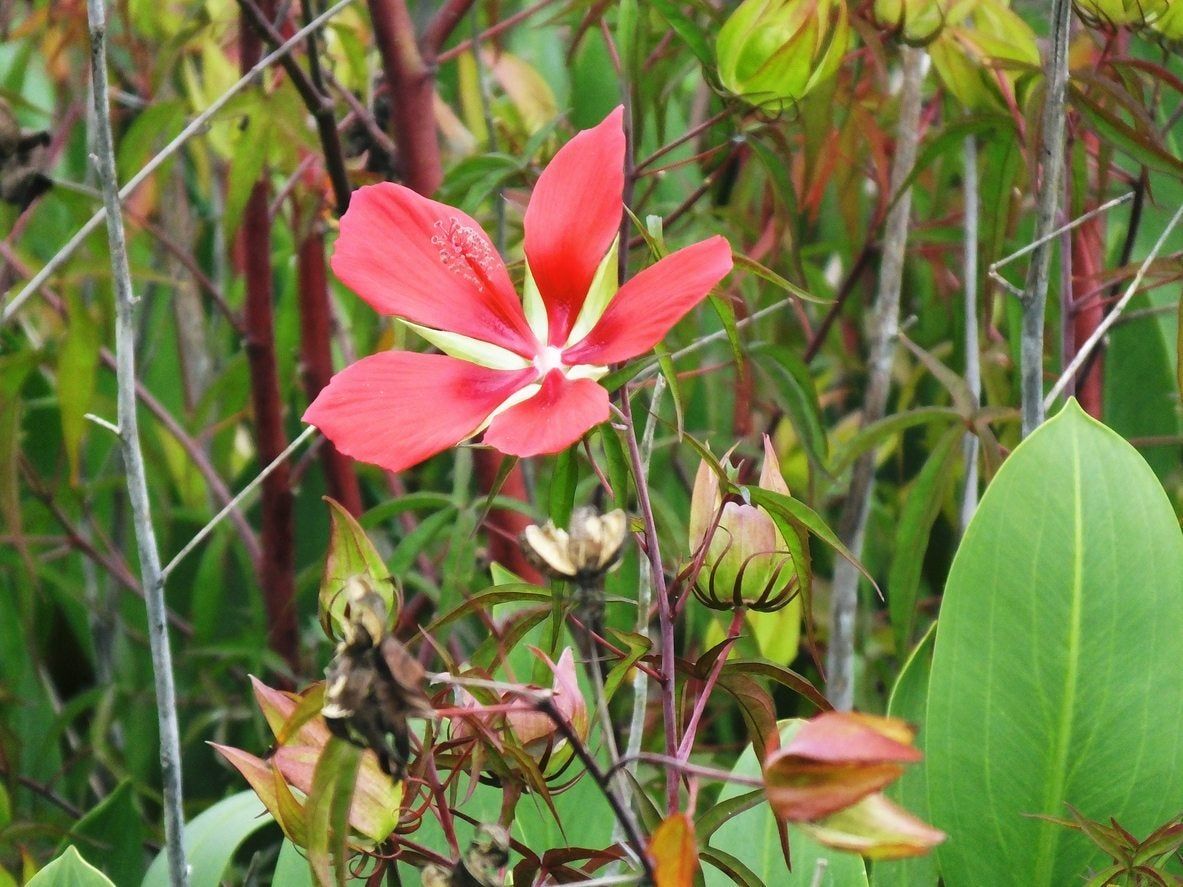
(644, 595)
(664, 609)
(716, 669)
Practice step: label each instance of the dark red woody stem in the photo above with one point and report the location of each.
(316, 359)
(277, 564)
(412, 87)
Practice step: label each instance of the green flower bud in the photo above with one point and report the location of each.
(916, 22)
(983, 42)
(746, 562)
(1121, 13)
(772, 52)
(1170, 24)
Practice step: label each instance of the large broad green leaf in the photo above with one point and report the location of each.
(70, 870)
(910, 791)
(212, 839)
(1056, 676)
(1140, 384)
(291, 869)
(752, 838)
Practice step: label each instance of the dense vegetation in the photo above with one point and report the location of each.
(609, 522)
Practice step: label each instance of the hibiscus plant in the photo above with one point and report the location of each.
(508, 443)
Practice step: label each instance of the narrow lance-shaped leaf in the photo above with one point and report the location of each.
(351, 553)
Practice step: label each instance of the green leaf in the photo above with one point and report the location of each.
(950, 139)
(498, 594)
(1143, 146)
(635, 646)
(291, 869)
(783, 676)
(351, 553)
(1140, 383)
(328, 810)
(913, 531)
(795, 392)
(563, 479)
(14, 370)
(776, 280)
(212, 839)
(788, 513)
(751, 837)
(78, 362)
(877, 432)
(730, 866)
(670, 374)
(685, 27)
(726, 312)
(111, 834)
(70, 870)
(156, 124)
(1056, 678)
(252, 141)
(910, 791)
(618, 470)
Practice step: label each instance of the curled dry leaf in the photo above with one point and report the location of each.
(828, 778)
(674, 851)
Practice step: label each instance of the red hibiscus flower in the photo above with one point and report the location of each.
(522, 371)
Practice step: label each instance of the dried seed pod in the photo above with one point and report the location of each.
(582, 553)
(373, 684)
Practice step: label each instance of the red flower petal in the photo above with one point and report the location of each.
(551, 420)
(650, 303)
(429, 263)
(397, 408)
(573, 217)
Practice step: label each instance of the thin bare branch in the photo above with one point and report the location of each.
(1051, 155)
(1046, 238)
(442, 25)
(316, 100)
(305, 435)
(884, 333)
(133, 457)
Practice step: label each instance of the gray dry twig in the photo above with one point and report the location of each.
(133, 457)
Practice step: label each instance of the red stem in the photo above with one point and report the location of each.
(713, 678)
(316, 359)
(1088, 242)
(440, 28)
(412, 88)
(665, 610)
(277, 567)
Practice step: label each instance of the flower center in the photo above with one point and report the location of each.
(549, 358)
